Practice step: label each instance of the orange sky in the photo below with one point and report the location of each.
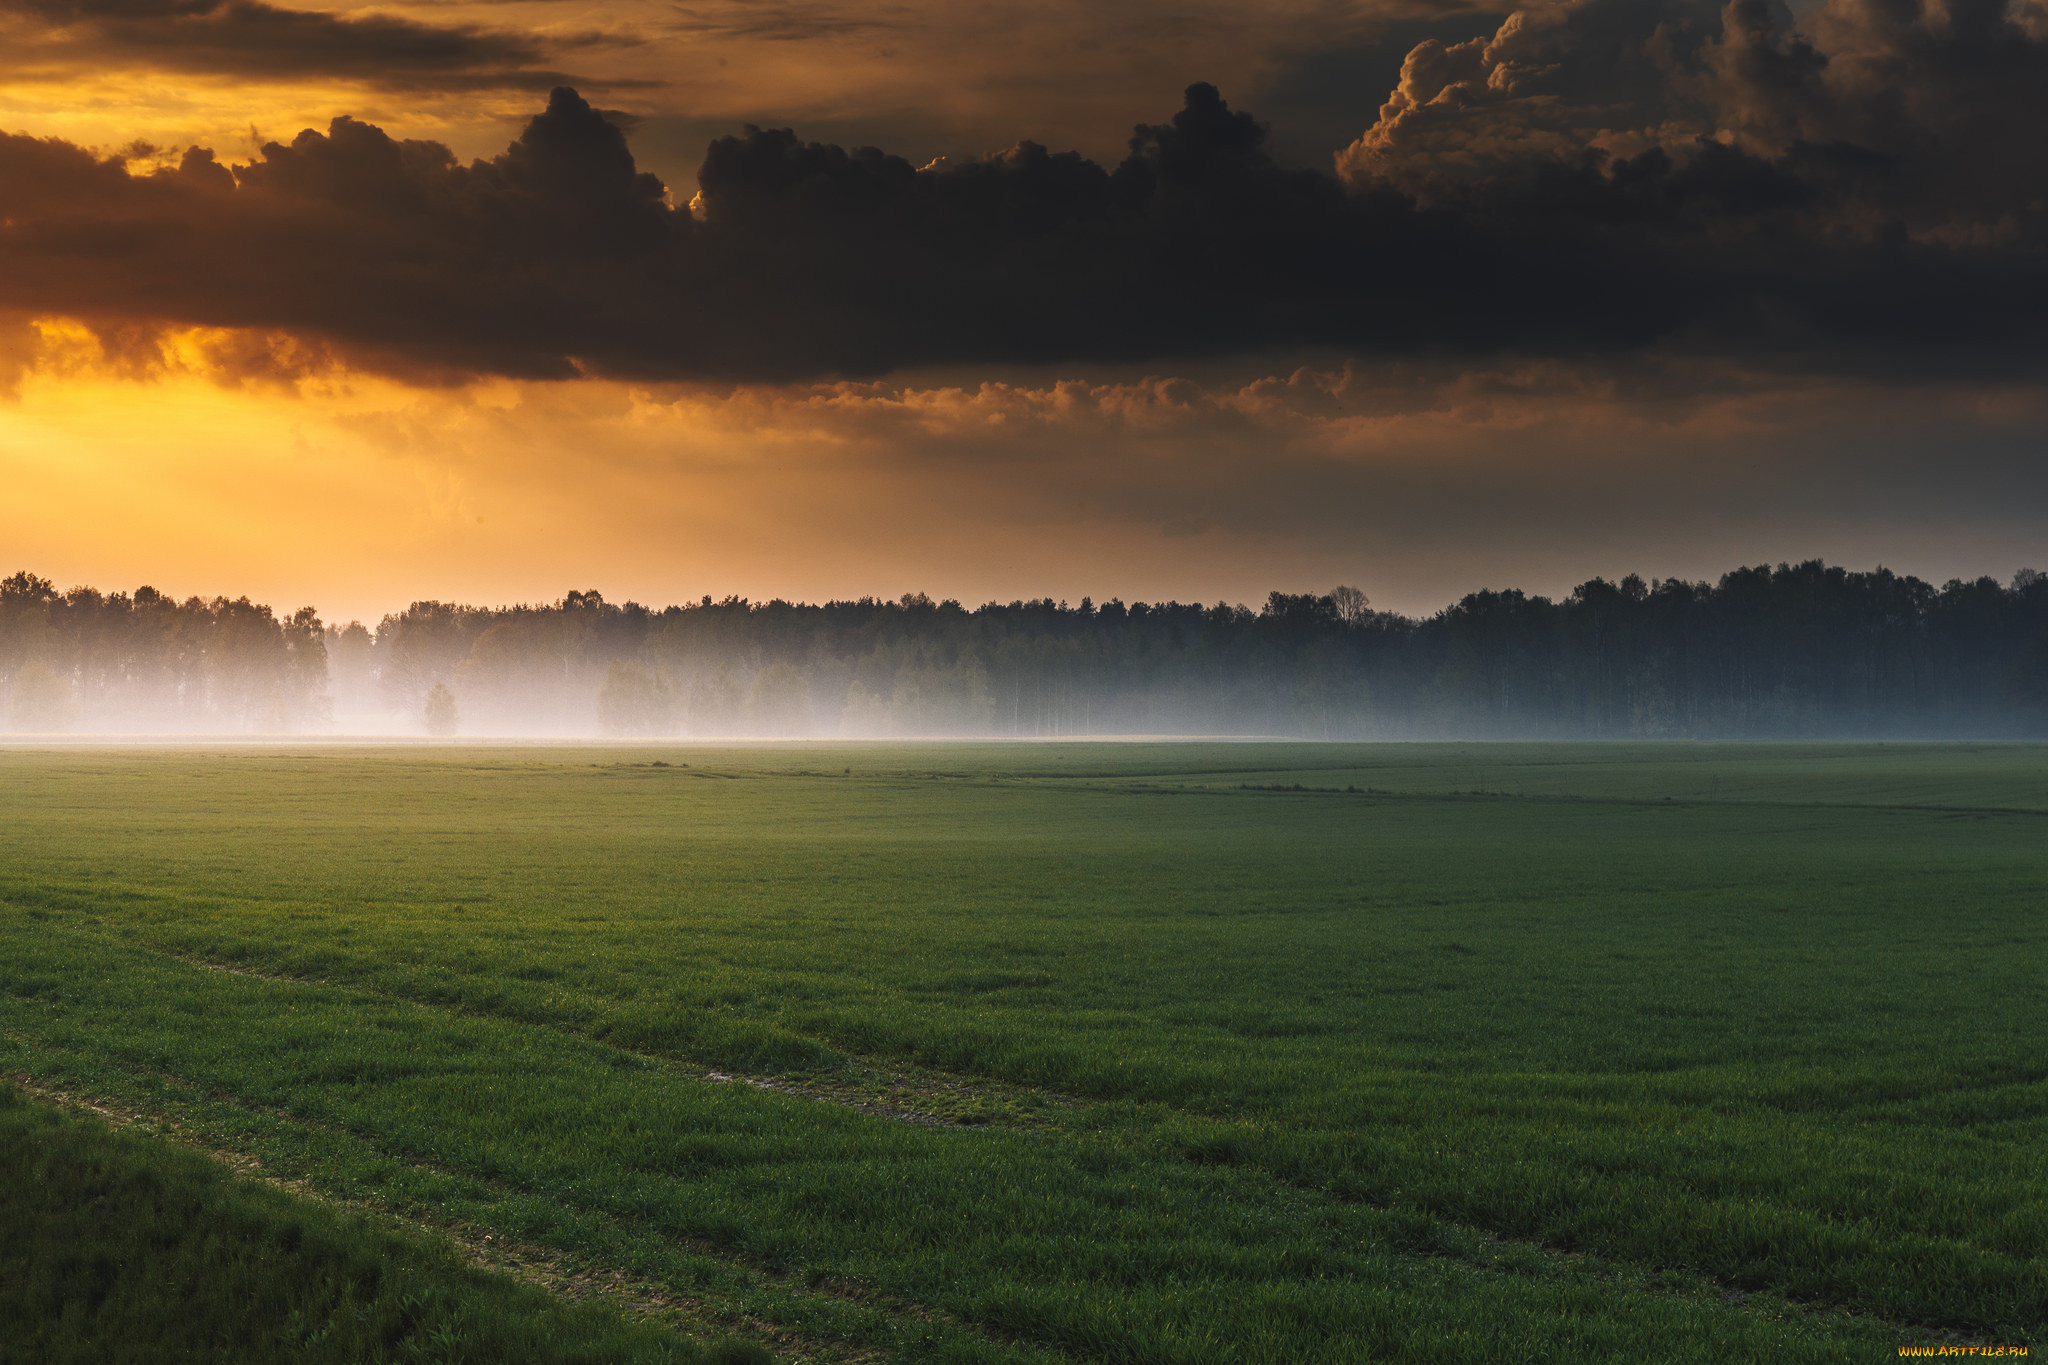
(923, 79)
(359, 494)
(1221, 479)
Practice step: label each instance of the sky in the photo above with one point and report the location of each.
(361, 305)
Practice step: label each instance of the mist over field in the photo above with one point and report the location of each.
(1797, 651)
(698, 967)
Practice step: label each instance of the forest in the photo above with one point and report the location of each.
(1795, 651)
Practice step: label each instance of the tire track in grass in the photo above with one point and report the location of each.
(559, 1272)
(846, 1292)
(924, 1082)
(1437, 1238)
(537, 1265)
(571, 1275)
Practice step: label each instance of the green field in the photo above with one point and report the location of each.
(116, 1248)
(1159, 1053)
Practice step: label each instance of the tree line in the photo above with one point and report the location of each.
(1799, 650)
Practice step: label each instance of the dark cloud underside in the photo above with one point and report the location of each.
(1614, 178)
(252, 39)
(778, 23)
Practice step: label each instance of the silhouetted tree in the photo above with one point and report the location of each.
(439, 711)
(40, 701)
(633, 701)
(351, 671)
(1793, 650)
(779, 703)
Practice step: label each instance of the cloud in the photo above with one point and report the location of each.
(781, 23)
(1600, 179)
(252, 39)
(1874, 113)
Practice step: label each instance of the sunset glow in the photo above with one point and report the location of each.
(267, 432)
(1029, 682)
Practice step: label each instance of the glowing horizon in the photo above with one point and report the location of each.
(249, 422)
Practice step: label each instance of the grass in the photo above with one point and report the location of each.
(1278, 1053)
(121, 1249)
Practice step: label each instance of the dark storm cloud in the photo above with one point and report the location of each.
(1587, 183)
(249, 38)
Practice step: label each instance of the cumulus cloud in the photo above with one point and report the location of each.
(1553, 84)
(1602, 178)
(1870, 113)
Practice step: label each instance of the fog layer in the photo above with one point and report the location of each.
(1797, 651)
